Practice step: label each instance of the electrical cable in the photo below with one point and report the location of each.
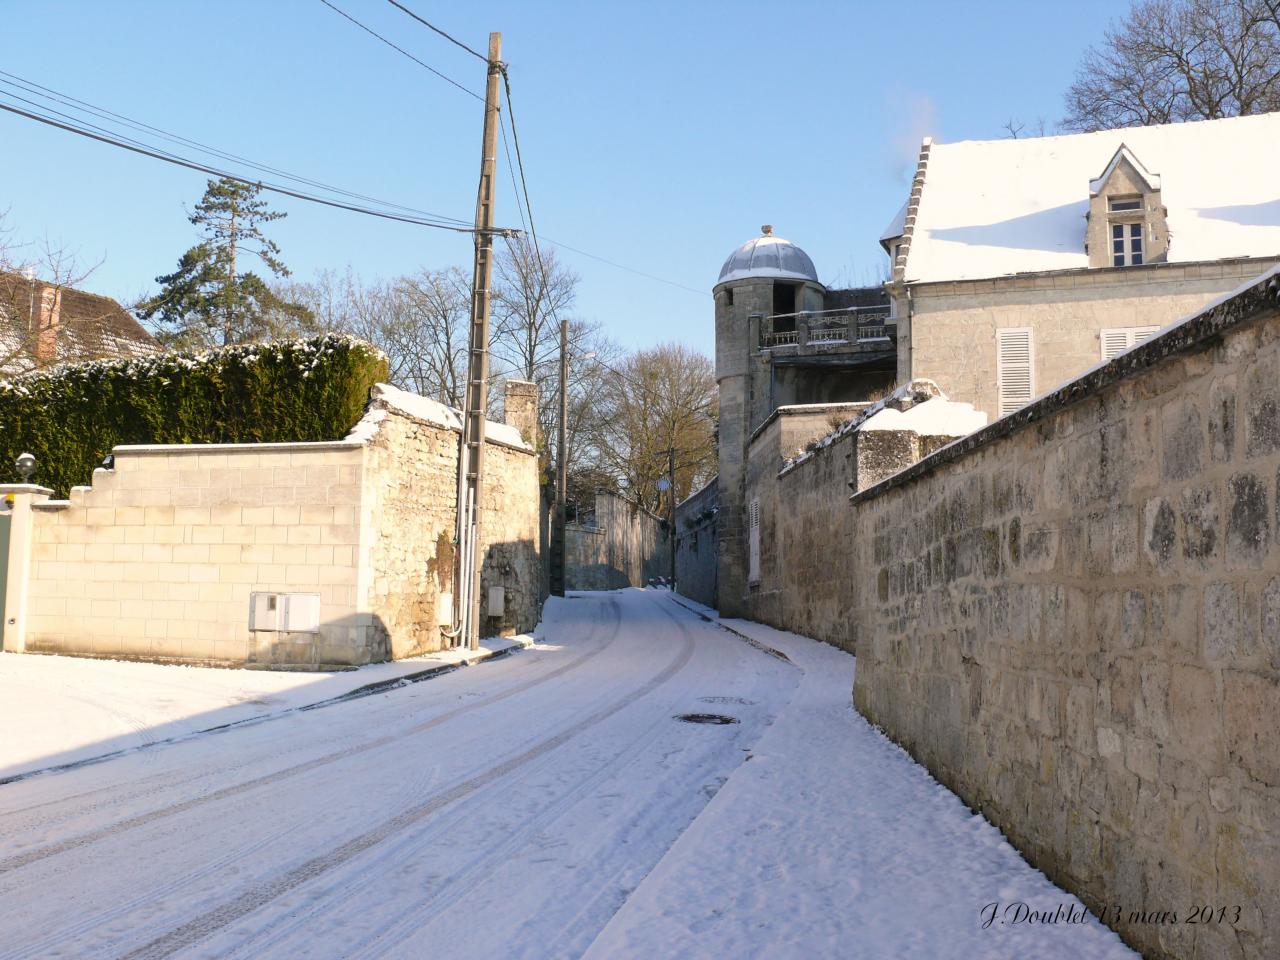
(373, 32)
(432, 26)
(30, 86)
(122, 143)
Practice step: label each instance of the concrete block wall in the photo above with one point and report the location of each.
(158, 558)
(1072, 618)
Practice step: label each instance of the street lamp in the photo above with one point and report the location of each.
(25, 465)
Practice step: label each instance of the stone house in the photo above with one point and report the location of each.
(1020, 263)
(783, 340)
(310, 555)
(43, 323)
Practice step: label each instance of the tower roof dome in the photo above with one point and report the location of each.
(768, 256)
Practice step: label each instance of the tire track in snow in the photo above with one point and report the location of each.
(45, 947)
(390, 937)
(387, 938)
(209, 923)
(18, 861)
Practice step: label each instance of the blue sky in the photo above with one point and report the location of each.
(658, 135)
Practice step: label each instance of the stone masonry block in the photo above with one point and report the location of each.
(1200, 524)
(1249, 524)
(1182, 435)
(1159, 536)
(1251, 704)
(1222, 621)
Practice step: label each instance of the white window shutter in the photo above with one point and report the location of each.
(753, 541)
(1015, 363)
(1115, 342)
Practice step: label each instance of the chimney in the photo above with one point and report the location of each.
(520, 406)
(47, 302)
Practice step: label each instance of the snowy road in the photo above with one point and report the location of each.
(545, 805)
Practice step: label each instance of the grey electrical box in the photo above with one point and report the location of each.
(497, 601)
(284, 612)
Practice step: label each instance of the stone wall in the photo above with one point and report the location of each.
(1072, 618)
(952, 327)
(696, 541)
(626, 546)
(408, 530)
(158, 558)
(800, 467)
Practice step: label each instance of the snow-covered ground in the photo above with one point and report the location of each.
(65, 710)
(550, 804)
(833, 842)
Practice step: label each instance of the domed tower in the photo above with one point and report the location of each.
(763, 284)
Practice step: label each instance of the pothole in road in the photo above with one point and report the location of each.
(739, 700)
(713, 718)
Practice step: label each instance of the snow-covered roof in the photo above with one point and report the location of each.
(896, 226)
(936, 417)
(768, 256)
(996, 207)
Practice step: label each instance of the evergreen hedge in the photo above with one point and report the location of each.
(70, 416)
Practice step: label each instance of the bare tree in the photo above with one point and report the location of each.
(531, 294)
(660, 399)
(1175, 60)
(1015, 128)
(420, 321)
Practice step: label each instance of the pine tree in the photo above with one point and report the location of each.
(210, 299)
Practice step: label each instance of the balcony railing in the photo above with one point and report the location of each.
(828, 326)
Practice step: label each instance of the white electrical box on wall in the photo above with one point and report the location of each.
(284, 612)
(497, 601)
(444, 610)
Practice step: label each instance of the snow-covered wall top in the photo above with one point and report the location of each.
(995, 207)
(386, 397)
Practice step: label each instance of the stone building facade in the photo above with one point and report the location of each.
(1019, 264)
(783, 339)
(161, 557)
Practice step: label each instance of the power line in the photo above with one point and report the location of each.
(176, 160)
(47, 93)
(639, 273)
(432, 26)
(393, 46)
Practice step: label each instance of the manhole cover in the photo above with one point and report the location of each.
(743, 701)
(716, 718)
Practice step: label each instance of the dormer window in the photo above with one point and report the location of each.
(1126, 244)
(1126, 223)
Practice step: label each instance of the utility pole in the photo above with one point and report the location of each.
(671, 501)
(470, 557)
(562, 469)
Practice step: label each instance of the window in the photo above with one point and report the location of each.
(784, 307)
(1119, 339)
(1015, 357)
(1126, 244)
(753, 542)
(1120, 204)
